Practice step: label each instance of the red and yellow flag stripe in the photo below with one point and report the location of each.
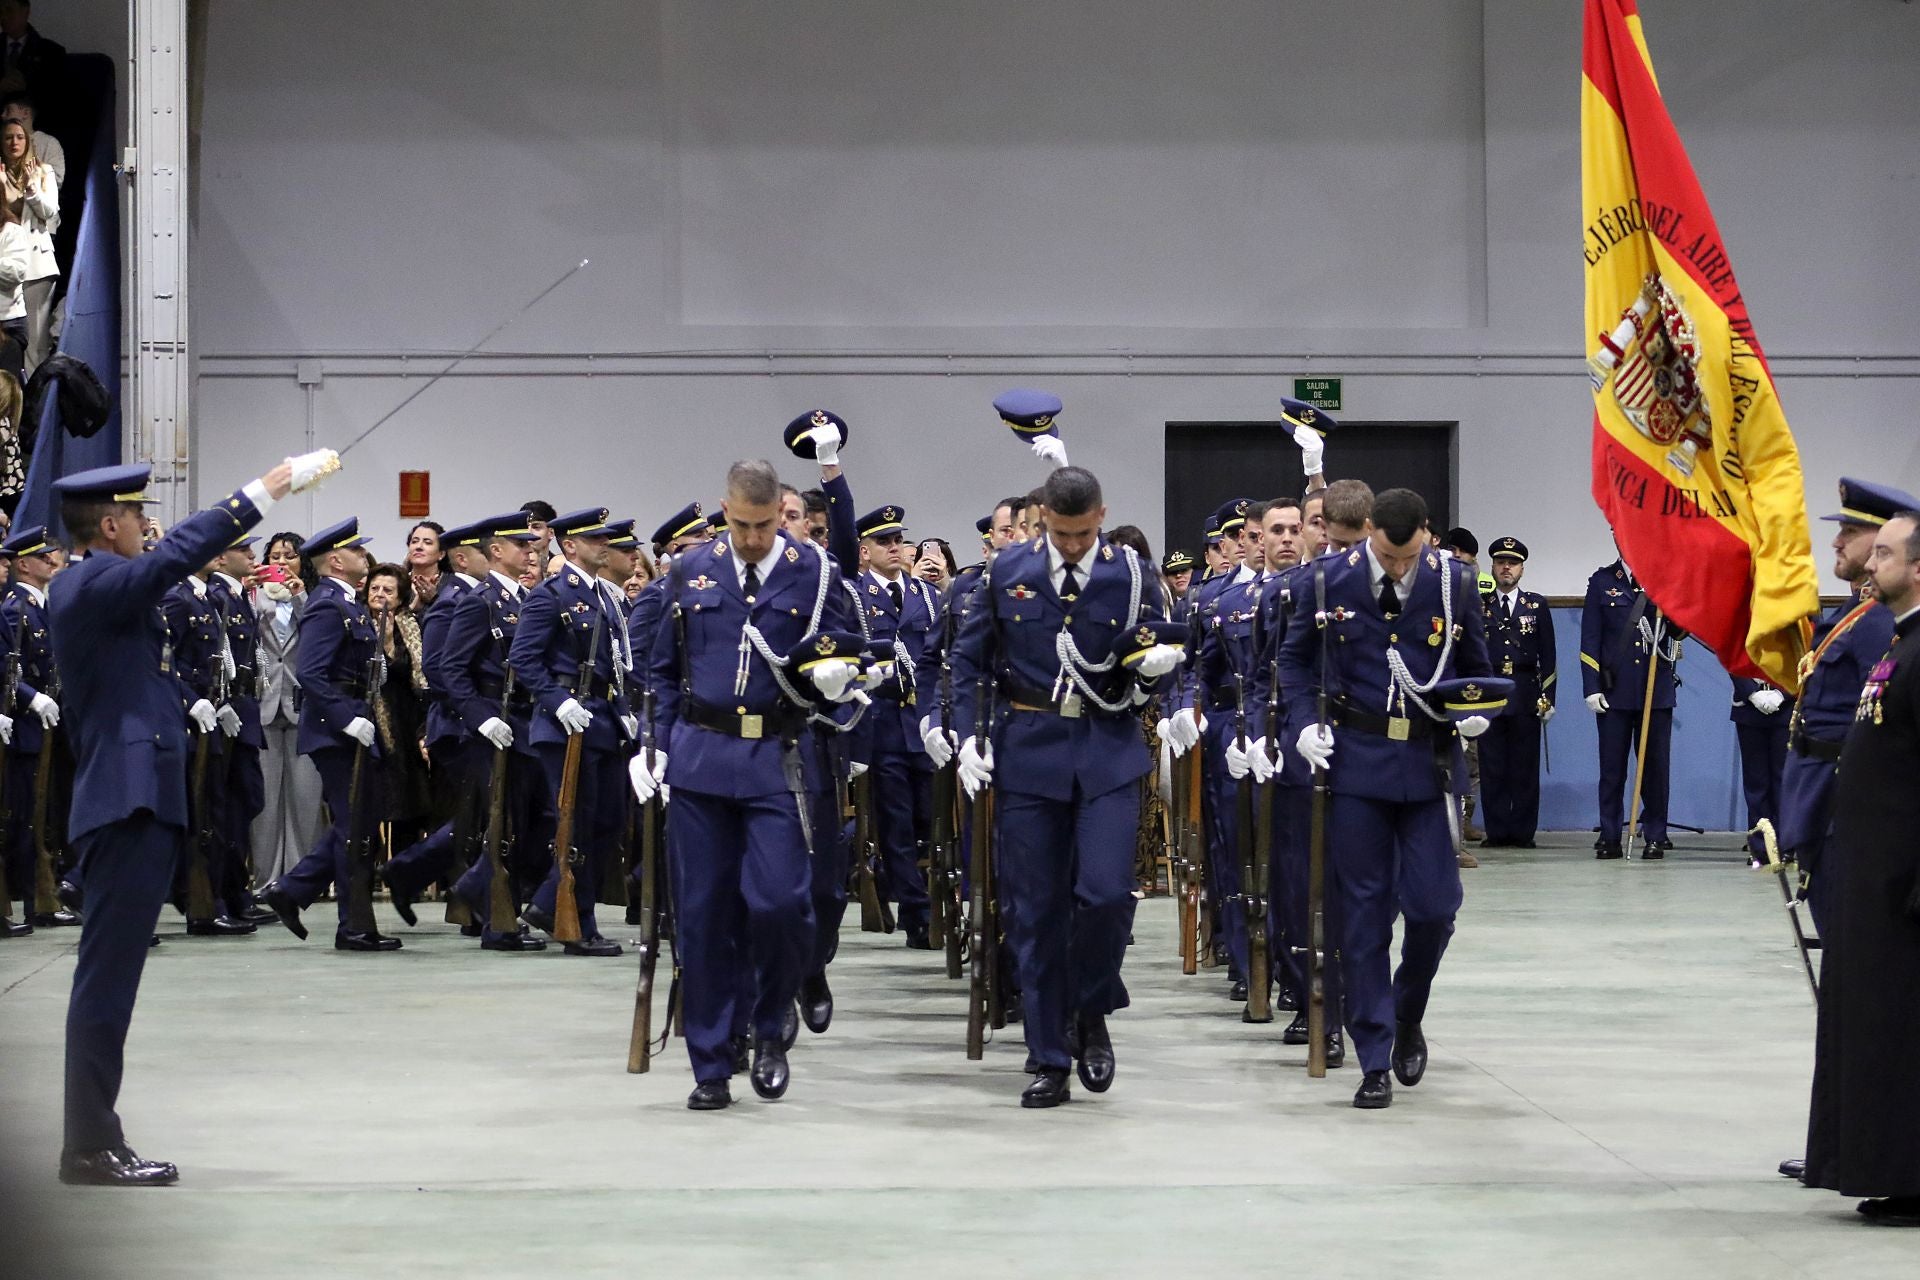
(1693, 462)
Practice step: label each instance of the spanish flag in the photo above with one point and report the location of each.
(1693, 463)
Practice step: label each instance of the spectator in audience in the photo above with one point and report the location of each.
(13, 464)
(426, 563)
(19, 106)
(289, 823)
(28, 60)
(934, 563)
(643, 573)
(400, 704)
(28, 189)
(16, 260)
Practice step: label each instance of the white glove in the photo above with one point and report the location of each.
(1159, 660)
(1316, 745)
(976, 765)
(1767, 701)
(1261, 759)
(877, 674)
(855, 769)
(46, 708)
(573, 717)
(632, 725)
(1473, 726)
(648, 782)
(1238, 766)
(1547, 712)
(1184, 730)
(496, 731)
(311, 468)
(360, 729)
(1050, 449)
(1596, 702)
(6, 731)
(826, 445)
(229, 721)
(939, 743)
(201, 713)
(833, 678)
(1313, 450)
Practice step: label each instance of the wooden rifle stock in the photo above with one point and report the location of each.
(199, 877)
(640, 1040)
(983, 934)
(566, 906)
(875, 914)
(1253, 846)
(359, 886)
(500, 895)
(46, 882)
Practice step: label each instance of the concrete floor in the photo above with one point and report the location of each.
(1620, 1057)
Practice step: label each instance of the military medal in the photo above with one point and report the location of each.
(1877, 680)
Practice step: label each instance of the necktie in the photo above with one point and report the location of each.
(752, 582)
(899, 601)
(1389, 599)
(1506, 603)
(1069, 583)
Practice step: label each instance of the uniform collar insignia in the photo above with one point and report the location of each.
(719, 547)
(1106, 552)
(873, 589)
(573, 579)
(793, 555)
(1433, 561)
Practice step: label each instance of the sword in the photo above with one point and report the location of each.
(1546, 749)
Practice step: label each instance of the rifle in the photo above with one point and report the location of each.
(46, 881)
(640, 1042)
(876, 916)
(500, 904)
(944, 880)
(566, 910)
(983, 940)
(9, 698)
(199, 877)
(1256, 848)
(359, 886)
(1317, 862)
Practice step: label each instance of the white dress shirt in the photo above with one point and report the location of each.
(512, 585)
(352, 595)
(765, 565)
(1057, 566)
(1402, 586)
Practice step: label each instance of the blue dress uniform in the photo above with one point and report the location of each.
(1763, 755)
(550, 654)
(1389, 839)
(338, 646)
(901, 621)
(25, 632)
(1520, 647)
(245, 788)
(730, 723)
(1619, 629)
(197, 644)
(129, 736)
(1224, 673)
(1068, 758)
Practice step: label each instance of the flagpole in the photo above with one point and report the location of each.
(1646, 724)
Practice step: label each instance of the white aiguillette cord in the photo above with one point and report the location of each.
(463, 356)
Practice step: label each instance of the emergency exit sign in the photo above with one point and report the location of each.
(1321, 393)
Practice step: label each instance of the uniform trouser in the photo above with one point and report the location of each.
(599, 809)
(742, 894)
(1391, 858)
(1283, 894)
(244, 797)
(461, 767)
(19, 833)
(1223, 862)
(214, 801)
(903, 825)
(1295, 926)
(128, 867)
(529, 814)
(1068, 869)
(327, 863)
(1510, 778)
(289, 820)
(1763, 756)
(1619, 731)
(832, 863)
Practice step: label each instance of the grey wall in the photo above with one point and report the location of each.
(896, 210)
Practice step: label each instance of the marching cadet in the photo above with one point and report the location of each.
(1176, 571)
(244, 786)
(201, 661)
(1520, 646)
(472, 667)
(1397, 623)
(1761, 715)
(756, 638)
(129, 735)
(36, 714)
(1464, 547)
(572, 651)
(1620, 628)
(338, 665)
(1066, 638)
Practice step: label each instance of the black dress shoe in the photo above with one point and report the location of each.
(521, 940)
(155, 941)
(769, 1070)
(1296, 1032)
(14, 928)
(1893, 1211)
(710, 1095)
(257, 913)
(917, 939)
(401, 896)
(816, 1002)
(1237, 990)
(1793, 1168)
(114, 1167)
(1336, 1050)
(1013, 1008)
(348, 940)
(1093, 1054)
(283, 906)
(1286, 1001)
(1375, 1092)
(1048, 1089)
(538, 919)
(789, 1027)
(472, 929)
(1409, 1053)
(594, 946)
(1219, 953)
(61, 919)
(1607, 850)
(742, 1054)
(221, 927)
(70, 895)
(1656, 850)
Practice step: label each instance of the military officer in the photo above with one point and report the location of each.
(573, 652)
(1620, 631)
(129, 735)
(1520, 647)
(338, 665)
(1063, 638)
(1399, 622)
(36, 714)
(1761, 715)
(756, 641)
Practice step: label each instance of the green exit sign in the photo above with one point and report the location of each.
(1321, 393)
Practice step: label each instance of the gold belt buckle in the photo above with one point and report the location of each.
(752, 727)
(1506, 668)
(1070, 706)
(912, 699)
(1399, 728)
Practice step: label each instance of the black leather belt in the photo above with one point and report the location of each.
(1817, 748)
(1222, 702)
(593, 687)
(1397, 728)
(1072, 706)
(784, 723)
(912, 697)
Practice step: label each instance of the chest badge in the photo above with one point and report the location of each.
(1870, 694)
(1439, 632)
(1022, 592)
(701, 583)
(1526, 626)
(872, 590)
(573, 579)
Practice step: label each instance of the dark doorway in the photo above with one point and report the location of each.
(1210, 462)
